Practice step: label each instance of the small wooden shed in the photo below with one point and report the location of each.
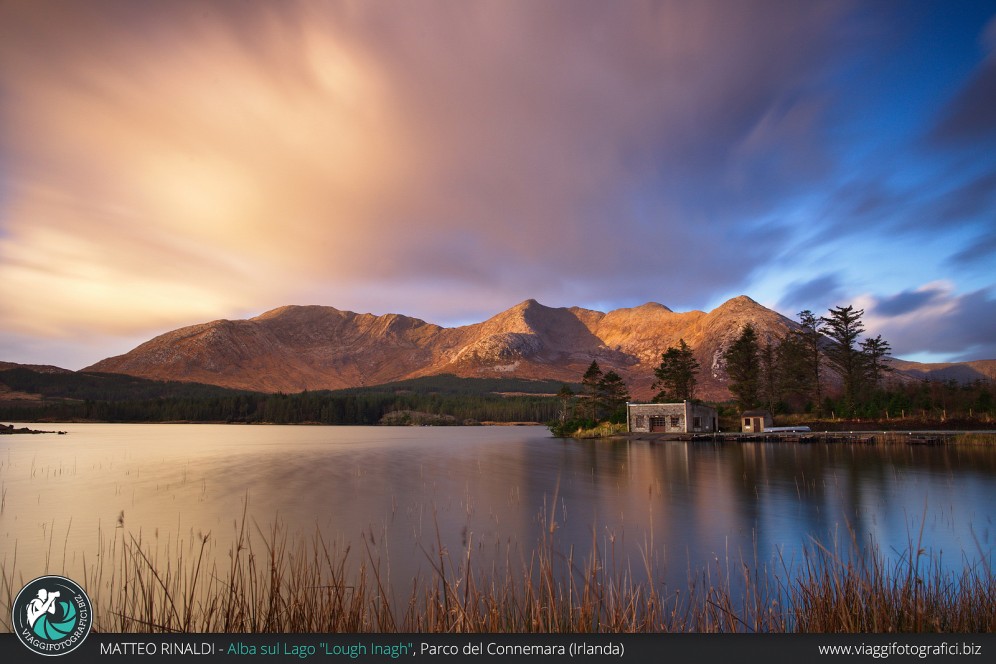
(755, 421)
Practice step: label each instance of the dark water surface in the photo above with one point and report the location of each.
(490, 490)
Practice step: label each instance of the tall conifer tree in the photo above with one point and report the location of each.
(743, 368)
(590, 382)
(843, 326)
(613, 394)
(676, 374)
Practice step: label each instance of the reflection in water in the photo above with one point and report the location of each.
(493, 490)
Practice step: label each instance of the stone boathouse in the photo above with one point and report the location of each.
(684, 417)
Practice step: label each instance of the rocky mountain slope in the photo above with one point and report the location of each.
(960, 372)
(314, 347)
(40, 368)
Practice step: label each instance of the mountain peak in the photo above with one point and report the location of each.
(740, 301)
(650, 307)
(745, 310)
(296, 310)
(296, 347)
(529, 305)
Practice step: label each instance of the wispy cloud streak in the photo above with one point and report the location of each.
(166, 163)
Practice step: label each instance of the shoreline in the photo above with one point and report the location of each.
(871, 437)
(9, 430)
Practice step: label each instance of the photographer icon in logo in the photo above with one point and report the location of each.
(52, 615)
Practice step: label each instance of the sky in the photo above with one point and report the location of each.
(170, 163)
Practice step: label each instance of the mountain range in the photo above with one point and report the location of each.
(294, 348)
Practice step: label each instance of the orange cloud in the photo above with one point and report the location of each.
(183, 178)
(165, 163)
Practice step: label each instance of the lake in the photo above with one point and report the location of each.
(404, 492)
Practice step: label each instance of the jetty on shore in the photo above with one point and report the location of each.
(919, 438)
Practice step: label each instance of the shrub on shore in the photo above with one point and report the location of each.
(585, 429)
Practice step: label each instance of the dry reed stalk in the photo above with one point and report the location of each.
(304, 586)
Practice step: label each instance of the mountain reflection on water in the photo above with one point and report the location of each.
(404, 492)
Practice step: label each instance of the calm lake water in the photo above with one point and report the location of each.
(494, 490)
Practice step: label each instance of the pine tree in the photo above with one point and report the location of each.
(769, 392)
(676, 374)
(794, 377)
(743, 368)
(843, 326)
(809, 356)
(590, 383)
(613, 395)
(875, 352)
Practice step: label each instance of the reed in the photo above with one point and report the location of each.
(862, 595)
(272, 583)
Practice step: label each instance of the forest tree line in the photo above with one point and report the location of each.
(824, 368)
(828, 367)
(305, 407)
(116, 398)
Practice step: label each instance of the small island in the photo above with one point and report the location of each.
(8, 429)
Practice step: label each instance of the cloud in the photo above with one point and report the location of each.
(973, 199)
(186, 161)
(937, 321)
(981, 249)
(931, 204)
(971, 115)
(815, 294)
(925, 175)
(908, 301)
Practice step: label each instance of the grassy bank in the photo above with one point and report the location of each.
(272, 584)
(600, 430)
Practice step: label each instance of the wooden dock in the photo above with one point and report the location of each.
(916, 438)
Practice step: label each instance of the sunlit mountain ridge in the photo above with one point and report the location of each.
(294, 348)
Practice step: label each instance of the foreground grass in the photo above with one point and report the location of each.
(272, 586)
